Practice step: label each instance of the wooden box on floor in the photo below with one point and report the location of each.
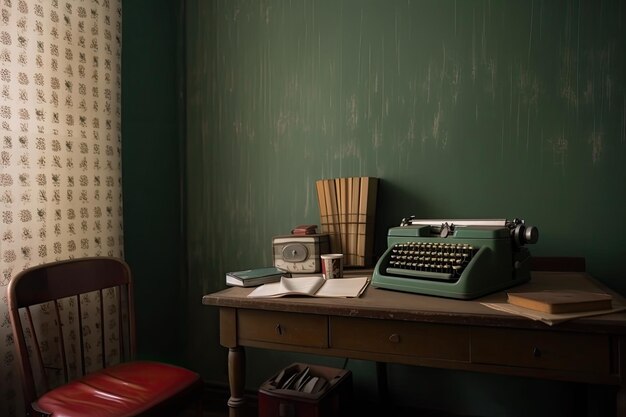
(347, 213)
(334, 401)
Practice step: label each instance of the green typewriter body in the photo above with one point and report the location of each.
(462, 259)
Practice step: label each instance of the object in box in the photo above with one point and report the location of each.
(302, 390)
(300, 253)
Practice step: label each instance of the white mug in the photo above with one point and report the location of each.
(332, 265)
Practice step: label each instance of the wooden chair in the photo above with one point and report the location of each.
(558, 263)
(125, 388)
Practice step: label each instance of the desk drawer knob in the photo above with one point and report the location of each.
(279, 330)
(394, 338)
(536, 352)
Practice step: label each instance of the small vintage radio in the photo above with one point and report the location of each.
(300, 253)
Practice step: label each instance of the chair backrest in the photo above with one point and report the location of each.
(558, 263)
(63, 314)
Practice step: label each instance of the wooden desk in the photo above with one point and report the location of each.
(395, 327)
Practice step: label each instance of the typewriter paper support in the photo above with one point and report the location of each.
(462, 259)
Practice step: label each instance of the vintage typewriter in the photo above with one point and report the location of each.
(461, 259)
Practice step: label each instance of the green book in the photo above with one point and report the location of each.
(253, 277)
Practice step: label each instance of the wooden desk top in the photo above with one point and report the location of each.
(393, 305)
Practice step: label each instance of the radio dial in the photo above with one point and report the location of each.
(295, 252)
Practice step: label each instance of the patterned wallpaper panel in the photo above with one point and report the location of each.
(60, 144)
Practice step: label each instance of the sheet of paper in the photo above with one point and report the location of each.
(343, 287)
(314, 286)
(549, 319)
(272, 289)
(302, 285)
(289, 286)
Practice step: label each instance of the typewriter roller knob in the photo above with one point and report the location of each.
(531, 234)
(525, 234)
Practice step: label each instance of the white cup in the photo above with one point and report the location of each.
(332, 265)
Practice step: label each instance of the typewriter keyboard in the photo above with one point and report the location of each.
(438, 261)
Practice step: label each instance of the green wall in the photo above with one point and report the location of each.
(463, 109)
(152, 141)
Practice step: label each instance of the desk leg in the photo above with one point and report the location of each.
(236, 379)
(620, 398)
(620, 405)
(383, 386)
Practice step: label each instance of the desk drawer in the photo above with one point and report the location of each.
(400, 338)
(543, 350)
(284, 328)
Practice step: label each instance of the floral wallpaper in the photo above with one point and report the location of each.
(60, 156)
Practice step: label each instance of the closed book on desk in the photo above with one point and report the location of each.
(562, 301)
(253, 277)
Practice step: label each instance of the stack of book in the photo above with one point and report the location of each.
(561, 301)
(347, 213)
(558, 305)
(254, 277)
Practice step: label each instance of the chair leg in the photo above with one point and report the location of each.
(199, 408)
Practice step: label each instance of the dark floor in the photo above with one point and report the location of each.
(251, 411)
(214, 405)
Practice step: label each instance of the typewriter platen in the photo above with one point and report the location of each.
(461, 259)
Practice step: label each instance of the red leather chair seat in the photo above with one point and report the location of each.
(118, 391)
